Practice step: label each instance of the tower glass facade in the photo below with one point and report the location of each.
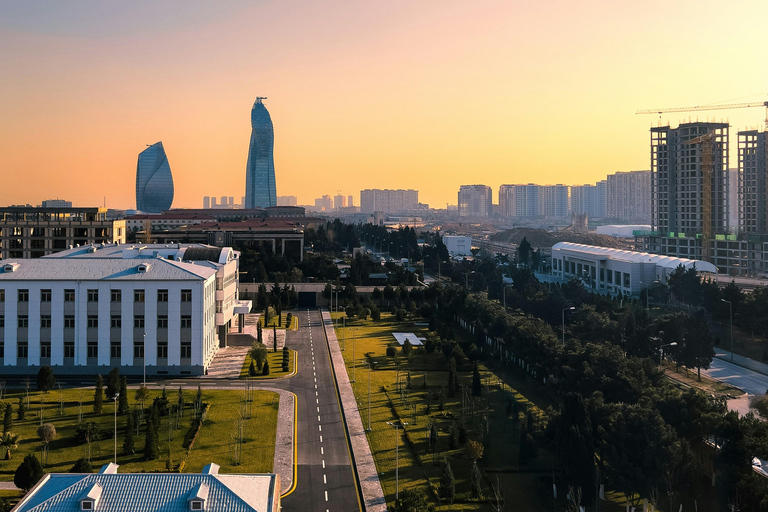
(260, 190)
(154, 183)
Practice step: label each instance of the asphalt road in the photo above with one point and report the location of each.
(325, 478)
(749, 381)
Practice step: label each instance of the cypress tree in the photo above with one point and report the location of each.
(265, 371)
(8, 419)
(477, 385)
(122, 401)
(452, 377)
(476, 477)
(252, 369)
(129, 447)
(286, 359)
(98, 396)
(447, 483)
(22, 412)
(150, 440)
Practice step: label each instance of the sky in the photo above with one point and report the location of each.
(428, 95)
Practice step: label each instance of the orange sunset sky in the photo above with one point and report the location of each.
(424, 94)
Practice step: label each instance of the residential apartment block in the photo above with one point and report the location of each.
(628, 196)
(589, 199)
(475, 201)
(388, 200)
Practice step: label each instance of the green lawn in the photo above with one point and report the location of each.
(417, 464)
(273, 322)
(275, 365)
(211, 445)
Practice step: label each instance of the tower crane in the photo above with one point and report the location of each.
(699, 108)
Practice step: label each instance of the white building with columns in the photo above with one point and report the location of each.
(165, 309)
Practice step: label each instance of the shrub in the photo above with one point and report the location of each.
(98, 395)
(258, 353)
(45, 379)
(28, 473)
(288, 320)
(252, 369)
(265, 371)
(400, 315)
(82, 465)
(391, 351)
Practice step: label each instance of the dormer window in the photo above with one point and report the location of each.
(86, 505)
(196, 505)
(90, 497)
(197, 496)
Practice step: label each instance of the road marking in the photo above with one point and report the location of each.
(318, 409)
(321, 451)
(320, 428)
(326, 495)
(315, 384)
(315, 379)
(315, 392)
(323, 463)
(321, 439)
(318, 417)
(324, 480)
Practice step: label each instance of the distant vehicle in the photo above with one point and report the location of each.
(757, 466)
(404, 262)
(383, 261)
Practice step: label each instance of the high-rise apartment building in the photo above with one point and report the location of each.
(350, 201)
(519, 200)
(388, 201)
(589, 199)
(56, 203)
(287, 201)
(629, 196)
(475, 201)
(753, 186)
(339, 201)
(689, 179)
(733, 200)
(324, 203)
(206, 202)
(260, 190)
(554, 201)
(154, 183)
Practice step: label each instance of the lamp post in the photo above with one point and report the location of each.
(116, 397)
(661, 349)
(354, 363)
(369, 398)
(397, 455)
(730, 310)
(144, 358)
(563, 312)
(466, 279)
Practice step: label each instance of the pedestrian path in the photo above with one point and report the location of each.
(373, 495)
(227, 363)
(750, 364)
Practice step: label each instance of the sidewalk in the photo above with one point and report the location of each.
(373, 495)
(745, 362)
(284, 461)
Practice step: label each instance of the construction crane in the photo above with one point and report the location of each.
(699, 108)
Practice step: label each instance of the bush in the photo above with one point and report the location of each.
(375, 314)
(252, 369)
(391, 351)
(258, 353)
(288, 320)
(82, 465)
(45, 379)
(265, 371)
(28, 473)
(92, 430)
(400, 315)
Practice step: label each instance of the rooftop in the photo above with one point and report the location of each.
(669, 262)
(108, 269)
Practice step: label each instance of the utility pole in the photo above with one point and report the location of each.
(116, 397)
(369, 397)
(397, 455)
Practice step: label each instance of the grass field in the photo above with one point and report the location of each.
(212, 444)
(275, 360)
(273, 322)
(419, 467)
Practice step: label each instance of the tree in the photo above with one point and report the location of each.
(265, 370)
(412, 500)
(574, 447)
(258, 353)
(407, 349)
(150, 439)
(474, 450)
(122, 401)
(286, 358)
(274, 338)
(82, 465)
(113, 383)
(45, 379)
(28, 473)
(476, 479)
(391, 351)
(98, 396)
(22, 412)
(252, 369)
(47, 433)
(9, 441)
(142, 395)
(477, 384)
(129, 444)
(8, 418)
(453, 384)
(447, 489)
(524, 252)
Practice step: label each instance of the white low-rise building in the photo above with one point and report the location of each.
(166, 308)
(616, 271)
(458, 245)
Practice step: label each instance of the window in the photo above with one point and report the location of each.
(93, 321)
(116, 321)
(22, 349)
(186, 321)
(162, 295)
(116, 296)
(45, 295)
(162, 322)
(162, 350)
(86, 505)
(45, 321)
(196, 505)
(69, 349)
(93, 349)
(23, 295)
(115, 349)
(69, 321)
(2, 320)
(186, 295)
(23, 321)
(186, 350)
(626, 280)
(93, 295)
(69, 295)
(2, 295)
(45, 349)
(138, 295)
(138, 349)
(138, 322)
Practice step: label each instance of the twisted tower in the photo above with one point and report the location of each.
(260, 188)
(154, 183)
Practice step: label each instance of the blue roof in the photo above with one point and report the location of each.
(162, 492)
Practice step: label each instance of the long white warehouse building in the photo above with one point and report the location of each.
(615, 271)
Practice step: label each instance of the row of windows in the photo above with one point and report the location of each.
(93, 295)
(116, 321)
(115, 350)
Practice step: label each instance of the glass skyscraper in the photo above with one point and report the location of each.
(260, 188)
(154, 183)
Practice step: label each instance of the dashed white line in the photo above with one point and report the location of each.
(323, 463)
(321, 451)
(326, 495)
(318, 417)
(318, 409)
(315, 384)
(320, 428)
(321, 439)
(315, 391)
(324, 480)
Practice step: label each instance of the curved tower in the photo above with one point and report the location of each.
(154, 183)
(260, 190)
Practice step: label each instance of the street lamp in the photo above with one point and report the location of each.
(564, 310)
(116, 397)
(144, 358)
(730, 309)
(354, 363)
(397, 455)
(369, 398)
(661, 349)
(466, 279)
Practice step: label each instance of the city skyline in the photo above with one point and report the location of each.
(481, 88)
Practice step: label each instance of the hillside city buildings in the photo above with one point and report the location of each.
(154, 183)
(260, 189)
